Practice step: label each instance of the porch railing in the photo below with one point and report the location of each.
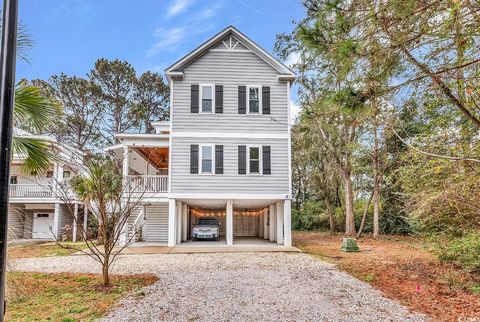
(21, 190)
(148, 183)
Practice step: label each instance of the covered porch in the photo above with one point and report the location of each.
(145, 163)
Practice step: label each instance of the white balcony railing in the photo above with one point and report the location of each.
(148, 183)
(30, 190)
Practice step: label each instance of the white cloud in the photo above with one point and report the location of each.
(292, 59)
(294, 110)
(166, 39)
(178, 6)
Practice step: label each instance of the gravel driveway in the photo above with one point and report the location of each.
(238, 287)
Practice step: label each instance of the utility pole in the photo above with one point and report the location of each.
(7, 95)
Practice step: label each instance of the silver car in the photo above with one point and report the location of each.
(206, 228)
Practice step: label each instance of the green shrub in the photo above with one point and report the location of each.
(311, 216)
(462, 251)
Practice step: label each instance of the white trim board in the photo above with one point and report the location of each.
(225, 196)
(234, 135)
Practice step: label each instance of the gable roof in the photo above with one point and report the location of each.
(174, 70)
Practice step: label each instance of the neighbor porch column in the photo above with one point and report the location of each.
(171, 222)
(185, 222)
(85, 222)
(125, 160)
(279, 222)
(265, 223)
(56, 221)
(179, 222)
(229, 228)
(272, 217)
(260, 224)
(287, 222)
(75, 218)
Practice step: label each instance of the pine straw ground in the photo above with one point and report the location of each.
(404, 270)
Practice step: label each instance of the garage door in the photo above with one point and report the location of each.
(156, 226)
(42, 224)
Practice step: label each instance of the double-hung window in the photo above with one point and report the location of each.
(206, 159)
(254, 159)
(206, 93)
(254, 99)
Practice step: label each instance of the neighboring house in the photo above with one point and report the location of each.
(37, 207)
(224, 153)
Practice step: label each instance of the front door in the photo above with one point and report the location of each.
(42, 225)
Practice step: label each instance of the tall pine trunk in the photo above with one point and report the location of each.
(349, 215)
(376, 183)
(331, 220)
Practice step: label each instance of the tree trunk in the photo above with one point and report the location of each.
(349, 215)
(365, 212)
(331, 220)
(106, 273)
(376, 183)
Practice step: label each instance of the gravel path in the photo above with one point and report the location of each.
(238, 287)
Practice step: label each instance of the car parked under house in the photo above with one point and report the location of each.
(37, 209)
(225, 153)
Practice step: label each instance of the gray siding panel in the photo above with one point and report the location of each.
(229, 182)
(156, 226)
(230, 69)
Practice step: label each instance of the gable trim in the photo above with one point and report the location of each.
(200, 50)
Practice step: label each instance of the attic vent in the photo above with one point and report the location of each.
(230, 43)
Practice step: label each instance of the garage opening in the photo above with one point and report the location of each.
(249, 225)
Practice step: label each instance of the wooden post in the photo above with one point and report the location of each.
(75, 218)
(179, 222)
(272, 217)
(287, 222)
(85, 222)
(229, 228)
(279, 222)
(185, 222)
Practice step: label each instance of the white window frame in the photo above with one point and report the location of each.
(35, 214)
(259, 99)
(200, 154)
(201, 98)
(260, 160)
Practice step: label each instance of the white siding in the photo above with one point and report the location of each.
(156, 225)
(16, 222)
(230, 69)
(229, 182)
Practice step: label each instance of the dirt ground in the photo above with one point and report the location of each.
(404, 270)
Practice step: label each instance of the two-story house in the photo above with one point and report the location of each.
(225, 151)
(38, 208)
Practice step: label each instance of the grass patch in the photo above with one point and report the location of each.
(43, 250)
(68, 297)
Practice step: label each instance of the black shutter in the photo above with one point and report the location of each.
(194, 99)
(242, 159)
(218, 159)
(266, 160)
(218, 99)
(266, 100)
(242, 99)
(194, 158)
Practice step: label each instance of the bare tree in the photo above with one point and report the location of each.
(112, 200)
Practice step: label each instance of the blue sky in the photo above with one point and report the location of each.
(70, 35)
